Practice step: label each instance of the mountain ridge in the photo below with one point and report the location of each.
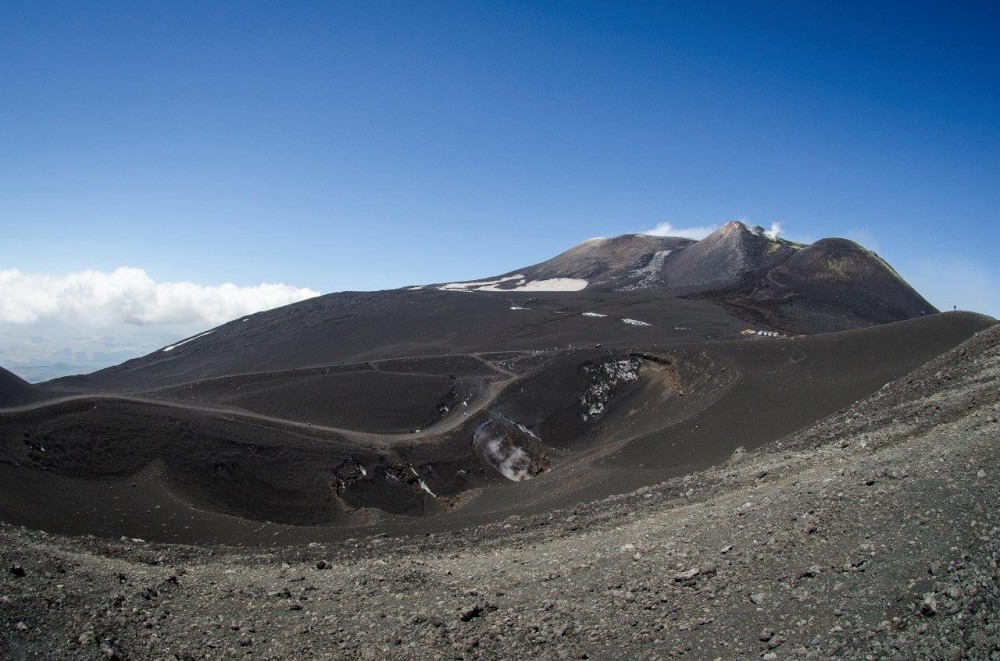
(724, 259)
(684, 289)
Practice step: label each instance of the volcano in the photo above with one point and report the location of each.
(417, 407)
(631, 290)
(725, 406)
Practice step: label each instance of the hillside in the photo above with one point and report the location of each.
(739, 447)
(15, 391)
(869, 534)
(632, 290)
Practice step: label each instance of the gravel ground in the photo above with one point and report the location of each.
(870, 535)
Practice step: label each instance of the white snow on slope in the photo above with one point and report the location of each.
(190, 339)
(451, 286)
(594, 314)
(603, 379)
(636, 322)
(552, 284)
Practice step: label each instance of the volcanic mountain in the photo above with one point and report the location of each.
(627, 291)
(599, 455)
(417, 407)
(833, 284)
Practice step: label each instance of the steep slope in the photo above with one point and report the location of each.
(630, 261)
(632, 289)
(15, 391)
(833, 284)
(725, 258)
(842, 273)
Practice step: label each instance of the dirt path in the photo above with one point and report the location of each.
(493, 390)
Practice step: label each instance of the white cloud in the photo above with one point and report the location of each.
(56, 325)
(774, 232)
(666, 229)
(130, 296)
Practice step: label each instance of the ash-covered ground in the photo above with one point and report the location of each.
(870, 534)
(642, 448)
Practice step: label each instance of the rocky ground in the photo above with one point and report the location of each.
(870, 535)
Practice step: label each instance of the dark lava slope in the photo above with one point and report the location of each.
(833, 284)
(627, 261)
(620, 363)
(636, 290)
(354, 327)
(15, 391)
(245, 459)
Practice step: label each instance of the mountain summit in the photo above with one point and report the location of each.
(833, 284)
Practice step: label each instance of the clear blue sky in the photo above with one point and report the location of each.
(366, 145)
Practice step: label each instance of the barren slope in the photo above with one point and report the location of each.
(869, 535)
(247, 458)
(15, 391)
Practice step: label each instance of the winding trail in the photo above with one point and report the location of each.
(447, 423)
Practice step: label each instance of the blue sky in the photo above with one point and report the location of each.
(364, 145)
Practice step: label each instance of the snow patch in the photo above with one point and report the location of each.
(518, 307)
(594, 314)
(635, 322)
(555, 284)
(460, 286)
(549, 285)
(423, 485)
(528, 431)
(190, 339)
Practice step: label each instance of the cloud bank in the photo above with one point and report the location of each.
(666, 229)
(75, 323)
(699, 233)
(130, 296)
